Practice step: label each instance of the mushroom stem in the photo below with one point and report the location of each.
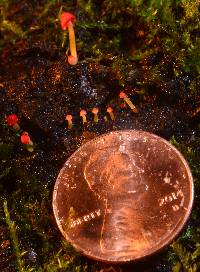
(30, 143)
(96, 118)
(110, 111)
(69, 124)
(84, 119)
(112, 115)
(128, 101)
(16, 127)
(72, 59)
(29, 147)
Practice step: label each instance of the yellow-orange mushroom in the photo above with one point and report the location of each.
(128, 101)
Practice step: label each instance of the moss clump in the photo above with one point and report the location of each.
(185, 251)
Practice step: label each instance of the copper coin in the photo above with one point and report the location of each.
(123, 196)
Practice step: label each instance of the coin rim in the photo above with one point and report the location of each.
(165, 242)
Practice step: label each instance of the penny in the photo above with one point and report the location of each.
(123, 196)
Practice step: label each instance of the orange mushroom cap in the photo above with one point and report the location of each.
(109, 109)
(65, 18)
(83, 112)
(122, 95)
(12, 120)
(25, 138)
(68, 117)
(95, 110)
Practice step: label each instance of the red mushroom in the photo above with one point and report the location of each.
(128, 101)
(12, 120)
(67, 19)
(26, 140)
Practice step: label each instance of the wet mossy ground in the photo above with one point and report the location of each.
(149, 49)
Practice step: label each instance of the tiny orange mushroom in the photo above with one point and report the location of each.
(95, 112)
(67, 19)
(110, 111)
(69, 120)
(128, 101)
(83, 115)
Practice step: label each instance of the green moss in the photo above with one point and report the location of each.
(187, 261)
(169, 26)
(191, 155)
(183, 258)
(14, 239)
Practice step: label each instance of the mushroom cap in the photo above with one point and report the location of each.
(65, 18)
(95, 110)
(12, 119)
(68, 117)
(83, 112)
(123, 105)
(122, 95)
(109, 109)
(25, 138)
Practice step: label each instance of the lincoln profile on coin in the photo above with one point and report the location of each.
(121, 184)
